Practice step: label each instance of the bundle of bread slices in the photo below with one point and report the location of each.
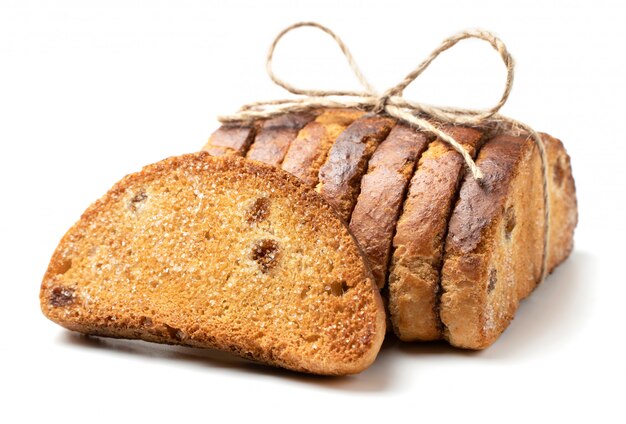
(281, 239)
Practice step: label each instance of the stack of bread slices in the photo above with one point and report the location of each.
(283, 240)
(453, 257)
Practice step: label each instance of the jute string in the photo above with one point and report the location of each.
(391, 102)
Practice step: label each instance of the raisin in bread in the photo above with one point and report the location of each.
(219, 252)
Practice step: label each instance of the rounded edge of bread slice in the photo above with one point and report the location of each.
(219, 252)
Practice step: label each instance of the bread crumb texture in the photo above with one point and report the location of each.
(219, 252)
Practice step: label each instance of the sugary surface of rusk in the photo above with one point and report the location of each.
(420, 235)
(383, 190)
(222, 253)
(310, 148)
(494, 244)
(275, 135)
(230, 140)
(340, 176)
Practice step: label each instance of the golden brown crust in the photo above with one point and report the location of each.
(231, 140)
(340, 176)
(420, 234)
(222, 253)
(309, 150)
(383, 190)
(275, 135)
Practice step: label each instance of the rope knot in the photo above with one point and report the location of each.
(380, 103)
(391, 102)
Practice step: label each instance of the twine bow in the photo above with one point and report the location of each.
(392, 103)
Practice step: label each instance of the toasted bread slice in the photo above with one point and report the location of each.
(340, 176)
(309, 150)
(383, 190)
(493, 250)
(563, 202)
(231, 140)
(219, 252)
(275, 135)
(420, 235)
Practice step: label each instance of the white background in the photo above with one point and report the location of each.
(91, 91)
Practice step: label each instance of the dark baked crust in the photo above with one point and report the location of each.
(340, 176)
(383, 190)
(308, 152)
(480, 203)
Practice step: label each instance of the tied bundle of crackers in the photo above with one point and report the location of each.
(302, 218)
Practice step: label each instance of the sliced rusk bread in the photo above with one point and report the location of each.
(219, 252)
(493, 252)
(414, 271)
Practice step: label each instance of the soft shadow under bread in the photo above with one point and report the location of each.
(378, 377)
